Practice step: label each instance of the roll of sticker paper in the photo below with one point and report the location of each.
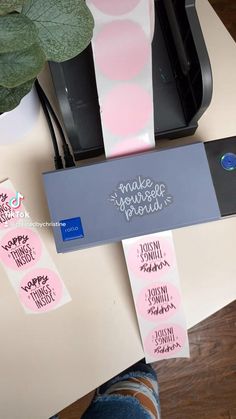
(27, 263)
(123, 65)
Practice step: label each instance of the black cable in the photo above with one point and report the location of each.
(69, 161)
(51, 111)
(57, 158)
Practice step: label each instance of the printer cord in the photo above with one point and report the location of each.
(57, 158)
(47, 108)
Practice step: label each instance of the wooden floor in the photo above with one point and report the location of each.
(203, 387)
(226, 9)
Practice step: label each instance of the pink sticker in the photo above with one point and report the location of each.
(20, 249)
(158, 302)
(40, 290)
(126, 109)
(165, 341)
(129, 146)
(114, 7)
(8, 215)
(151, 258)
(121, 50)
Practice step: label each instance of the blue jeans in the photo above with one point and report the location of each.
(109, 404)
(133, 394)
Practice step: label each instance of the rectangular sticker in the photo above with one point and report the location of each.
(27, 263)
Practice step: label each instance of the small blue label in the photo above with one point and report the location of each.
(71, 229)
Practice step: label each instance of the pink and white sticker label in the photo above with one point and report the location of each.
(158, 302)
(154, 278)
(29, 267)
(151, 258)
(41, 290)
(20, 249)
(167, 341)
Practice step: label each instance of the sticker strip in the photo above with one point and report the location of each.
(154, 278)
(25, 259)
(123, 64)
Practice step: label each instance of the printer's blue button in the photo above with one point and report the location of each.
(228, 161)
(71, 229)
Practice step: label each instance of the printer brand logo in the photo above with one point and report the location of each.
(71, 229)
(140, 196)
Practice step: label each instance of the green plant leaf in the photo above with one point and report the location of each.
(10, 98)
(64, 26)
(18, 67)
(17, 32)
(8, 6)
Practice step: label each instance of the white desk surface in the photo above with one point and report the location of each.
(48, 361)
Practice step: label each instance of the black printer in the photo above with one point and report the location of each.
(182, 82)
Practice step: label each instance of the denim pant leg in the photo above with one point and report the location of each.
(115, 406)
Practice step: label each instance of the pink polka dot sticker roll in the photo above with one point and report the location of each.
(115, 7)
(126, 109)
(121, 50)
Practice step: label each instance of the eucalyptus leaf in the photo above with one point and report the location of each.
(19, 67)
(8, 6)
(17, 32)
(10, 98)
(64, 26)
